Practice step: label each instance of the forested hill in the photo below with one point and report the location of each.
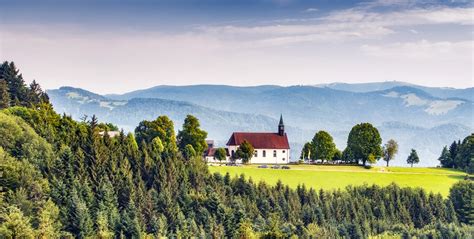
(62, 179)
(408, 114)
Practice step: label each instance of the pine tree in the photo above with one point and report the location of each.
(16, 85)
(453, 151)
(445, 158)
(49, 224)
(4, 95)
(413, 158)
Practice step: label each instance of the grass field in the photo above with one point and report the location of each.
(436, 180)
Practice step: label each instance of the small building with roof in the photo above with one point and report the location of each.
(270, 147)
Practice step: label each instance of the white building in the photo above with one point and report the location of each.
(270, 148)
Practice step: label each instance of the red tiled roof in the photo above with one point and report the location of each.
(260, 140)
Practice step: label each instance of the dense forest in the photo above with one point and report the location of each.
(459, 155)
(63, 178)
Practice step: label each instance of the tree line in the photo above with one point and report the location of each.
(62, 178)
(364, 145)
(459, 155)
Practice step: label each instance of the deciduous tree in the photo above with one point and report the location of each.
(364, 139)
(245, 152)
(390, 149)
(323, 146)
(193, 135)
(220, 154)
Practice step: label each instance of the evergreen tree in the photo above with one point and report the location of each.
(4, 95)
(453, 150)
(461, 195)
(445, 158)
(413, 158)
(465, 154)
(49, 224)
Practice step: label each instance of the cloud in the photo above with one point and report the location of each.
(423, 49)
(309, 10)
(343, 25)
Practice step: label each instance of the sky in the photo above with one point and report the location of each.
(109, 46)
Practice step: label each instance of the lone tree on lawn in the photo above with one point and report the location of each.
(389, 150)
(220, 154)
(244, 152)
(323, 146)
(413, 158)
(364, 140)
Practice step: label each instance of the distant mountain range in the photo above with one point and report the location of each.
(424, 118)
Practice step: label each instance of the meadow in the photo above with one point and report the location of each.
(437, 180)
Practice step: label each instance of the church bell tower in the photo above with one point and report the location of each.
(281, 127)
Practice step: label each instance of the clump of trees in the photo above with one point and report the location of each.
(14, 91)
(363, 145)
(62, 179)
(459, 155)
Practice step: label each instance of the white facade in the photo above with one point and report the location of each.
(266, 156)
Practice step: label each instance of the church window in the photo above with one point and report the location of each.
(274, 153)
(264, 153)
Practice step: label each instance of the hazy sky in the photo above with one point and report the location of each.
(110, 47)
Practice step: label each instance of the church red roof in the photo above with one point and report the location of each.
(260, 140)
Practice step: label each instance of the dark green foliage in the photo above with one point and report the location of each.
(19, 93)
(244, 152)
(460, 155)
(306, 151)
(445, 158)
(192, 135)
(60, 176)
(163, 128)
(4, 95)
(413, 158)
(462, 197)
(108, 127)
(220, 154)
(364, 140)
(322, 146)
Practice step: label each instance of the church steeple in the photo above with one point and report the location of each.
(281, 127)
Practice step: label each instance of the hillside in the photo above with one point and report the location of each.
(441, 92)
(402, 112)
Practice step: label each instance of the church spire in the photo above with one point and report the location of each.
(281, 127)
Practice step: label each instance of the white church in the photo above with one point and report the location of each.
(270, 147)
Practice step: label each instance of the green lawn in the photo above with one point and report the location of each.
(332, 177)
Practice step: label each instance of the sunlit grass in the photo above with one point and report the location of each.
(435, 180)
